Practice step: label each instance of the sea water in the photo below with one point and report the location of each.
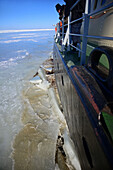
(21, 54)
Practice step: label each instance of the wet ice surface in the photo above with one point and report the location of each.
(34, 146)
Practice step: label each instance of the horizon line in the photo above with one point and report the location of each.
(24, 30)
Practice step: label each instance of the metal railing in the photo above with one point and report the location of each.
(66, 37)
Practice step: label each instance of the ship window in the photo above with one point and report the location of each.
(106, 122)
(58, 66)
(95, 4)
(101, 63)
(62, 80)
(103, 2)
(87, 152)
(103, 66)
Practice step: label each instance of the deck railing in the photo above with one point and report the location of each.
(66, 37)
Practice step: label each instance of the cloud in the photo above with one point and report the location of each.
(22, 37)
(26, 36)
(13, 41)
(30, 30)
(10, 41)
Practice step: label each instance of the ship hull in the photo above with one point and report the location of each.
(80, 111)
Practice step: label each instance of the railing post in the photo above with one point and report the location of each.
(69, 29)
(62, 32)
(57, 36)
(58, 31)
(85, 31)
(84, 41)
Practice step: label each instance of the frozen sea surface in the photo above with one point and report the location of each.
(30, 118)
(21, 54)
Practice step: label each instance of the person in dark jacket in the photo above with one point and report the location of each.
(60, 9)
(76, 13)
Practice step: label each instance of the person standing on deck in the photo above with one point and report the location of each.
(76, 13)
(60, 9)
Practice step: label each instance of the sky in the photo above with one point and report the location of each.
(28, 14)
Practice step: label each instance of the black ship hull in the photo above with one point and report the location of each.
(82, 99)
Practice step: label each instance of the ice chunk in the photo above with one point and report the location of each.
(36, 80)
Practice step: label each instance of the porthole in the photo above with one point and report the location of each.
(101, 63)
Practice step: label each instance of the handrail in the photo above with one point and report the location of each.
(65, 25)
(74, 5)
(99, 37)
(79, 35)
(90, 14)
(77, 20)
(74, 21)
(77, 48)
(93, 36)
(85, 18)
(102, 9)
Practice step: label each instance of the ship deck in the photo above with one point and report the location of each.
(70, 57)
